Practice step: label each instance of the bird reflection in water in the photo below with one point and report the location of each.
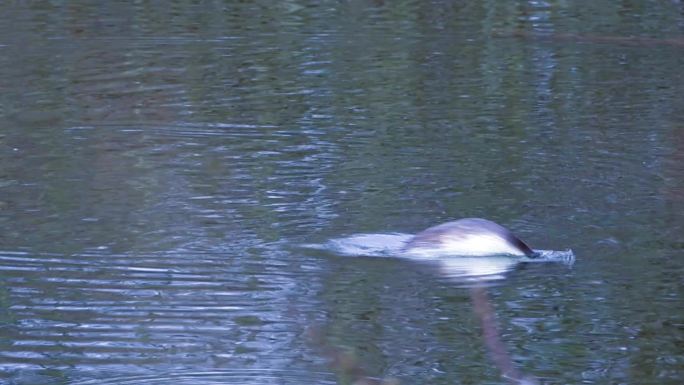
(473, 271)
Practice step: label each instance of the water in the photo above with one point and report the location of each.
(161, 165)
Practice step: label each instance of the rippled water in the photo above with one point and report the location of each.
(161, 166)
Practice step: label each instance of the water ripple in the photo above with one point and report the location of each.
(233, 377)
(122, 309)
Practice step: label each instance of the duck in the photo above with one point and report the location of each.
(467, 237)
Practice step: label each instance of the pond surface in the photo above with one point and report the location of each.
(160, 166)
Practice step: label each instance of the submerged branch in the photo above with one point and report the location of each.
(490, 333)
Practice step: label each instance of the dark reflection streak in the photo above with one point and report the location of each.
(490, 333)
(349, 368)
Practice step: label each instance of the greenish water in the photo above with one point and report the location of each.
(161, 163)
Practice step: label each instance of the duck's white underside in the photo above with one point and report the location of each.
(471, 245)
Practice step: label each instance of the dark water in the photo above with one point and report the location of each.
(160, 163)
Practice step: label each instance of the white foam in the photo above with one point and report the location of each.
(370, 245)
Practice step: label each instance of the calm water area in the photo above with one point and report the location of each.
(161, 164)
